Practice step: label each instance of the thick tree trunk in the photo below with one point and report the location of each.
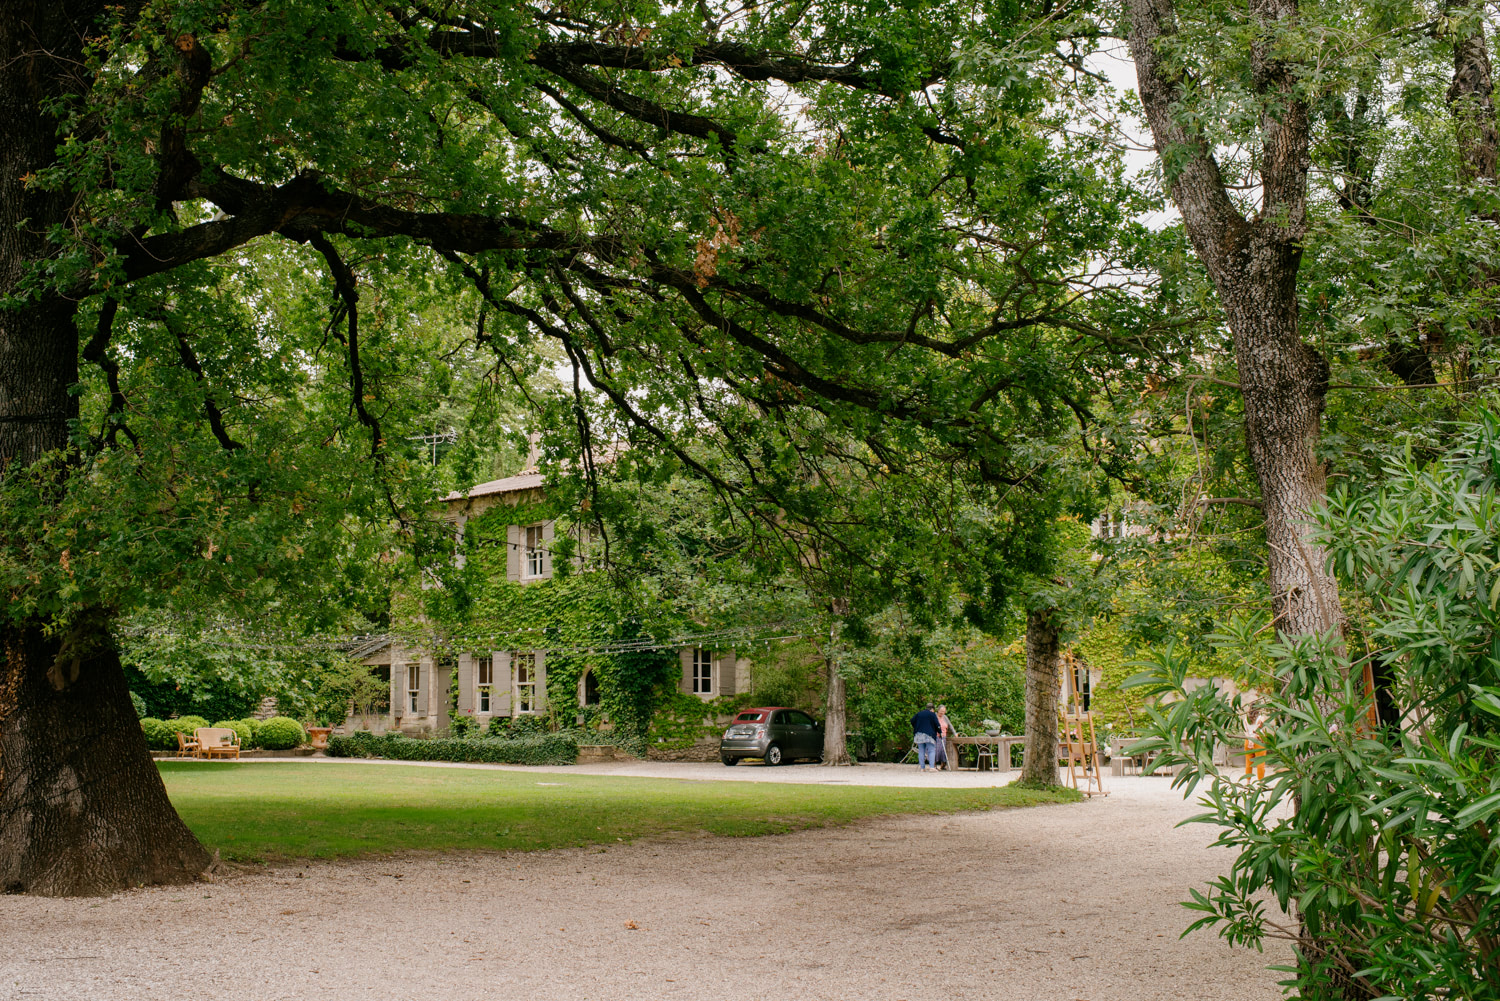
(1042, 665)
(1283, 382)
(1471, 95)
(835, 720)
(82, 808)
(1253, 264)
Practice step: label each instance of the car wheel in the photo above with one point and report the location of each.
(773, 755)
(729, 761)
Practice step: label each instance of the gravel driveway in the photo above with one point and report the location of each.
(1056, 903)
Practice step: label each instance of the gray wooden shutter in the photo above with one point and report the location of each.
(541, 681)
(500, 701)
(686, 656)
(466, 683)
(424, 688)
(548, 533)
(398, 683)
(726, 679)
(515, 540)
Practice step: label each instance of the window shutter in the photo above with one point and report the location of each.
(500, 692)
(515, 541)
(724, 684)
(541, 681)
(424, 692)
(398, 682)
(548, 533)
(686, 656)
(466, 683)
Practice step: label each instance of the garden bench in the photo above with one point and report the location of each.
(217, 742)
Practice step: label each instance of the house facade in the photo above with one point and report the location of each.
(510, 679)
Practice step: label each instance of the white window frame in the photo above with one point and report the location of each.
(413, 684)
(534, 551)
(484, 675)
(703, 671)
(523, 692)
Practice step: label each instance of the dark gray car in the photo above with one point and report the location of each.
(774, 733)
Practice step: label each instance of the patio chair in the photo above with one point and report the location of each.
(186, 748)
(217, 742)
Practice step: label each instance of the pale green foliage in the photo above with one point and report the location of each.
(1385, 843)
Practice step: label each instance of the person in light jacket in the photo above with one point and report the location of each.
(925, 729)
(945, 733)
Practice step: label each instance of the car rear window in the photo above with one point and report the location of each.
(749, 717)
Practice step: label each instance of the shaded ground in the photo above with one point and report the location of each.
(1052, 903)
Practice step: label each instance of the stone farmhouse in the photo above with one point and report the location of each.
(512, 683)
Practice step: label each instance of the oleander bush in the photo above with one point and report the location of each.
(1380, 842)
(280, 733)
(539, 749)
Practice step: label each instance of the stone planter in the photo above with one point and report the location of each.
(319, 735)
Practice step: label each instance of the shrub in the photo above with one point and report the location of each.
(251, 725)
(280, 733)
(139, 705)
(460, 725)
(514, 728)
(545, 749)
(1381, 840)
(160, 735)
(186, 725)
(246, 733)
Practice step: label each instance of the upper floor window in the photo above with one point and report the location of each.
(703, 671)
(535, 553)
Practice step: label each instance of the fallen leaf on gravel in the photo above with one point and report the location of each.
(631, 924)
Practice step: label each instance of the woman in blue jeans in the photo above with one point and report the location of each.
(925, 729)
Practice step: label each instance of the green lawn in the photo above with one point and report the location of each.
(259, 811)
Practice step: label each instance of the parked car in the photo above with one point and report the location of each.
(774, 733)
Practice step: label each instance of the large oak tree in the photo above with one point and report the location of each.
(208, 205)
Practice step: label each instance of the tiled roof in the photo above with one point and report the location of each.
(528, 479)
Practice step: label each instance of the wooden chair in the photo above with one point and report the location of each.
(186, 748)
(217, 742)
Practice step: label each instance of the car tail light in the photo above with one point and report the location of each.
(760, 731)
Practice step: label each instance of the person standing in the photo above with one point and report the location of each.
(945, 732)
(925, 729)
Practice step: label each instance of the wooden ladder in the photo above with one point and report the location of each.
(1076, 734)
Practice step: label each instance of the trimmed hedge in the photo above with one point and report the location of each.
(544, 749)
(246, 731)
(280, 733)
(159, 736)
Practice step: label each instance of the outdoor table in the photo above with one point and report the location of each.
(1001, 742)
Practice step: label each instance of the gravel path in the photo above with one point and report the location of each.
(1057, 903)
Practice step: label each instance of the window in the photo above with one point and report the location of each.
(749, 717)
(525, 665)
(590, 689)
(703, 671)
(484, 674)
(1081, 685)
(796, 718)
(413, 685)
(536, 552)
